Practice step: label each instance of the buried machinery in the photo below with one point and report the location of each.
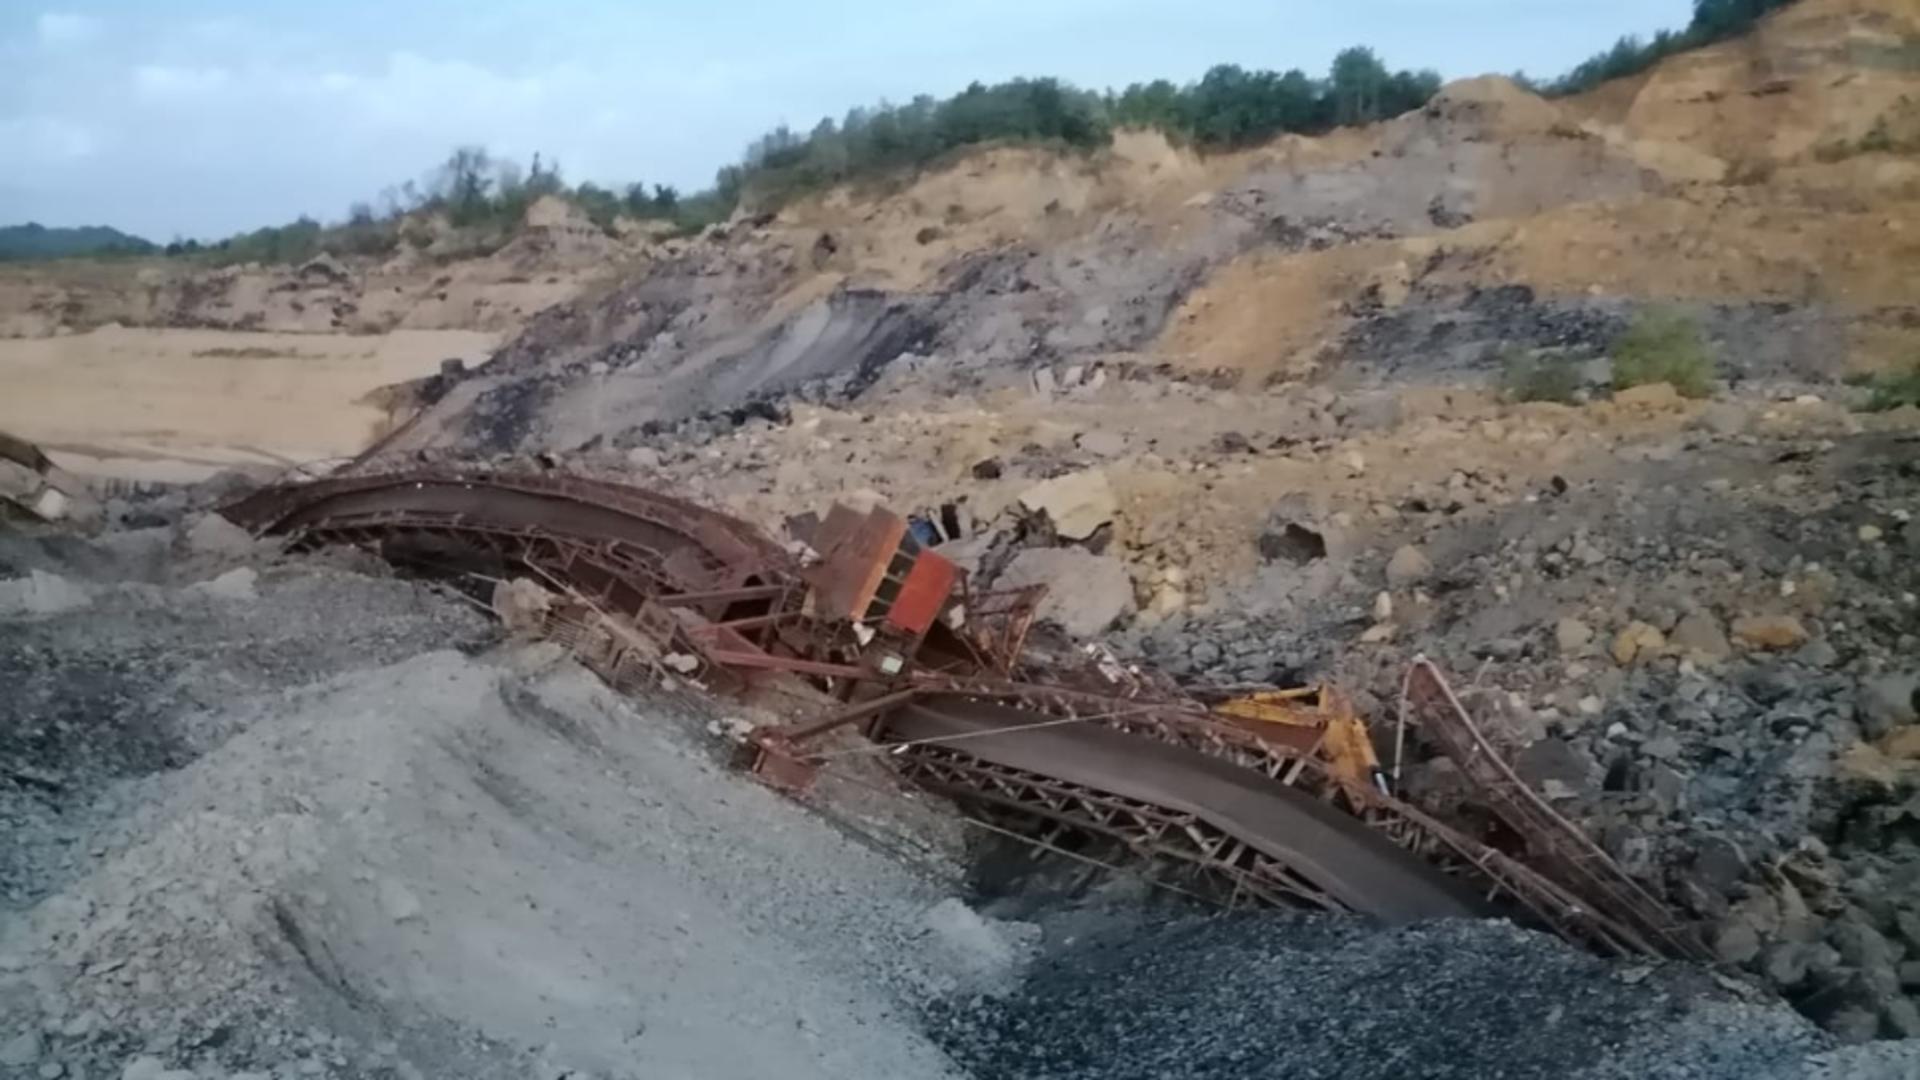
(1274, 797)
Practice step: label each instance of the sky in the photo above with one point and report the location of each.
(200, 118)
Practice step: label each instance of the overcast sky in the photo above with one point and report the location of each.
(203, 117)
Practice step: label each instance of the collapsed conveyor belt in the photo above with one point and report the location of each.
(646, 578)
(1173, 802)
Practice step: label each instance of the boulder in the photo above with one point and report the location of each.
(1555, 760)
(1103, 443)
(1862, 946)
(1772, 632)
(1408, 566)
(1737, 943)
(1887, 702)
(1086, 593)
(21, 1050)
(1722, 418)
(41, 593)
(1900, 1018)
(1637, 641)
(214, 535)
(1077, 503)
(1903, 745)
(1787, 963)
(1699, 637)
(234, 585)
(1573, 636)
(521, 606)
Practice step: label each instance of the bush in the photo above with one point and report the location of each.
(1663, 346)
(1892, 389)
(1526, 376)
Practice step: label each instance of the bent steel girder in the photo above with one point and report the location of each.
(1149, 831)
(1556, 844)
(1496, 877)
(617, 544)
(1230, 817)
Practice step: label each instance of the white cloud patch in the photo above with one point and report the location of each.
(65, 28)
(163, 83)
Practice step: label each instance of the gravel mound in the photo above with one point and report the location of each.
(139, 679)
(1312, 998)
(449, 867)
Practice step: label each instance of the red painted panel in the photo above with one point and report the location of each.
(924, 593)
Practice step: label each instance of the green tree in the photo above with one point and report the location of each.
(600, 205)
(1358, 86)
(1155, 104)
(464, 185)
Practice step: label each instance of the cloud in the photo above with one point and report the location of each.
(160, 82)
(47, 139)
(413, 90)
(64, 28)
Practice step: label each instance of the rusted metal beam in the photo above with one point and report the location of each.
(1567, 851)
(851, 715)
(724, 596)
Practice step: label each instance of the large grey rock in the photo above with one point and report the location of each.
(1408, 566)
(41, 593)
(1888, 702)
(214, 535)
(1699, 635)
(22, 1049)
(235, 585)
(1861, 946)
(1787, 963)
(1556, 760)
(1572, 636)
(1722, 418)
(1077, 503)
(1086, 593)
(1737, 943)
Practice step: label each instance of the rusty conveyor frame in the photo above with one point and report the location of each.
(645, 574)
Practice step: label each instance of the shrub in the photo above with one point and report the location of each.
(1663, 346)
(1892, 389)
(1526, 376)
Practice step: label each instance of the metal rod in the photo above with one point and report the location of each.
(852, 715)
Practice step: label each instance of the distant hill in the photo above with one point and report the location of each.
(34, 241)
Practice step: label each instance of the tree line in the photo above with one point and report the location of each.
(1229, 106)
(485, 198)
(1713, 20)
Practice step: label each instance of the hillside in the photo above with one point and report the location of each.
(34, 241)
(1733, 180)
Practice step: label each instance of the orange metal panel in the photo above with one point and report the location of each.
(924, 593)
(852, 565)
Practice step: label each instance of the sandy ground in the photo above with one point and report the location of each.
(181, 404)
